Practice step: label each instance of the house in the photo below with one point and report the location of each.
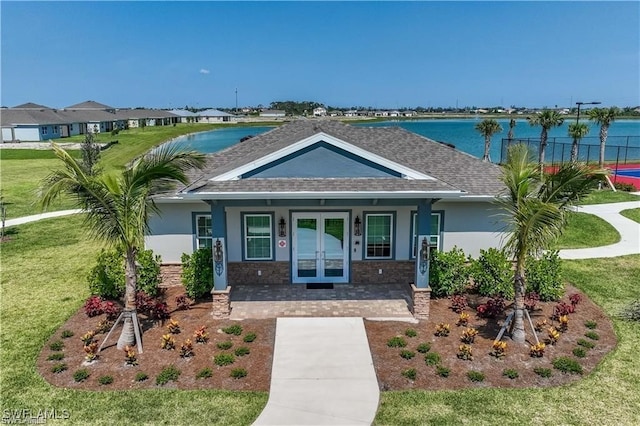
(184, 116)
(272, 113)
(215, 116)
(319, 112)
(140, 117)
(31, 122)
(322, 201)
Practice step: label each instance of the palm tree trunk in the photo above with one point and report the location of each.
(604, 129)
(127, 337)
(518, 334)
(543, 147)
(574, 150)
(487, 144)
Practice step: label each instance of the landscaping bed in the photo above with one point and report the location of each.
(395, 371)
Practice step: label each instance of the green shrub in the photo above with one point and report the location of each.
(448, 273)
(57, 356)
(475, 376)
(235, 329)
(205, 373)
(590, 324)
(567, 365)
(66, 334)
(105, 380)
(423, 348)
(224, 345)
(443, 371)
(223, 359)
(432, 358)
(249, 337)
(592, 335)
(107, 278)
(410, 373)
(242, 351)
(543, 372)
(168, 374)
(580, 352)
(407, 354)
(510, 373)
(141, 377)
(410, 332)
(81, 375)
(397, 342)
(59, 368)
(197, 272)
(544, 276)
(57, 345)
(586, 344)
(492, 274)
(238, 373)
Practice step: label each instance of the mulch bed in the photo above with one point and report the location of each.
(387, 361)
(389, 365)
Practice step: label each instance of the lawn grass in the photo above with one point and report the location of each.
(633, 214)
(42, 284)
(609, 396)
(586, 230)
(607, 196)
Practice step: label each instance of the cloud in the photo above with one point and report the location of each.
(204, 71)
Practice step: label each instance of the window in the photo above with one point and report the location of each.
(434, 241)
(55, 129)
(379, 235)
(44, 130)
(258, 237)
(203, 232)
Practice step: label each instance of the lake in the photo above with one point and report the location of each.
(459, 132)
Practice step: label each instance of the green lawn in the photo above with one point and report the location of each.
(586, 230)
(42, 284)
(607, 196)
(633, 214)
(609, 396)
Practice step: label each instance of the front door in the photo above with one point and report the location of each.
(320, 247)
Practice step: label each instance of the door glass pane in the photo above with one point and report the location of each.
(307, 246)
(333, 247)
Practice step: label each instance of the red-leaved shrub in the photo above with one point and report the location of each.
(93, 306)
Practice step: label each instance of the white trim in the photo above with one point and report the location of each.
(314, 194)
(407, 172)
(247, 237)
(391, 217)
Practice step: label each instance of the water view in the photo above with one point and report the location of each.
(459, 132)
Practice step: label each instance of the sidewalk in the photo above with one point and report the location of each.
(36, 217)
(322, 374)
(628, 229)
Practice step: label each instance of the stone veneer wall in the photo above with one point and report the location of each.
(170, 275)
(393, 271)
(247, 273)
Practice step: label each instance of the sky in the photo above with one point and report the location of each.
(343, 54)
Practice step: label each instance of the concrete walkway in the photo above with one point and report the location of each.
(322, 374)
(36, 217)
(628, 229)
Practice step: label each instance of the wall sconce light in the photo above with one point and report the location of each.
(424, 256)
(282, 227)
(217, 252)
(357, 231)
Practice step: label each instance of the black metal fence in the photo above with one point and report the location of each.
(618, 149)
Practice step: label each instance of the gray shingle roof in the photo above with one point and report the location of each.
(90, 105)
(452, 169)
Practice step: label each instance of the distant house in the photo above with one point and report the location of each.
(409, 113)
(319, 112)
(215, 116)
(31, 122)
(394, 113)
(272, 113)
(184, 116)
(351, 113)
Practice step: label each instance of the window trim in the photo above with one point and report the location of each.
(272, 239)
(392, 237)
(195, 216)
(413, 236)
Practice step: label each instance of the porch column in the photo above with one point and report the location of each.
(420, 291)
(220, 292)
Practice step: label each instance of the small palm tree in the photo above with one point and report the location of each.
(577, 131)
(604, 117)
(512, 125)
(488, 128)
(117, 206)
(535, 207)
(547, 119)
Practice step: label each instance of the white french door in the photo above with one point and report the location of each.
(320, 247)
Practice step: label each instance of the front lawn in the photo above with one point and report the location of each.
(586, 230)
(606, 196)
(633, 214)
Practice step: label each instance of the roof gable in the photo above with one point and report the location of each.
(89, 105)
(30, 105)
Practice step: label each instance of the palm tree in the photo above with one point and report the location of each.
(118, 205)
(547, 119)
(577, 131)
(535, 207)
(488, 128)
(512, 124)
(604, 117)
